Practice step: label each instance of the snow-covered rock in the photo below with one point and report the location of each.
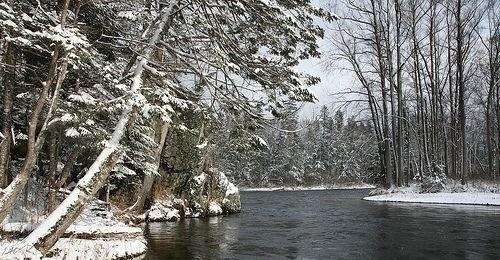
(208, 194)
(214, 209)
(231, 195)
(224, 195)
(159, 212)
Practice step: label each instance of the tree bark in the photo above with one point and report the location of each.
(34, 144)
(5, 145)
(461, 93)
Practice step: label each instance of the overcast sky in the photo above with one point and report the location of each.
(332, 80)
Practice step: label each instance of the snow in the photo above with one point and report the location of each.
(467, 198)
(68, 117)
(69, 37)
(17, 227)
(21, 136)
(109, 238)
(23, 95)
(102, 230)
(71, 132)
(260, 141)
(231, 189)
(8, 23)
(122, 87)
(100, 248)
(159, 212)
(84, 98)
(26, 17)
(478, 193)
(214, 209)
(200, 178)
(202, 145)
(19, 41)
(127, 15)
(73, 249)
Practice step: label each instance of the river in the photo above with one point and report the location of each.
(332, 224)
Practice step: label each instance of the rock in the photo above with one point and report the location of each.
(214, 209)
(211, 193)
(159, 213)
(231, 195)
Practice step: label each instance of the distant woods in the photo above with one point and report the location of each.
(429, 74)
(327, 150)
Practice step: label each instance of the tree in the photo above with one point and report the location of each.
(219, 47)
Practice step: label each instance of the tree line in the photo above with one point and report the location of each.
(428, 72)
(327, 150)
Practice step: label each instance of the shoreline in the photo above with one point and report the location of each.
(311, 188)
(458, 198)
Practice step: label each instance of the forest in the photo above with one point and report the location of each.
(325, 152)
(159, 110)
(429, 73)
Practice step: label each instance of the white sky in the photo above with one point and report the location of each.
(332, 80)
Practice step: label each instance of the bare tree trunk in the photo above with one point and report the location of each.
(34, 144)
(392, 87)
(5, 145)
(49, 231)
(489, 146)
(461, 93)
(399, 84)
(385, 111)
(452, 128)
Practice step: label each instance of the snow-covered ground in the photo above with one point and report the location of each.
(453, 193)
(299, 188)
(96, 234)
(468, 198)
(81, 249)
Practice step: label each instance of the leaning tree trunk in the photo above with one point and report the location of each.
(49, 231)
(160, 137)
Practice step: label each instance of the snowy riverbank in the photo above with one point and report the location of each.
(474, 194)
(299, 188)
(467, 198)
(96, 234)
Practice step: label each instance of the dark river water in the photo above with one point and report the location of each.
(334, 224)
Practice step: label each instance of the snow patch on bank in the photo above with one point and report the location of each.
(467, 198)
(73, 249)
(96, 234)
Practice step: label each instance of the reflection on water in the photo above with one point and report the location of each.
(191, 239)
(331, 225)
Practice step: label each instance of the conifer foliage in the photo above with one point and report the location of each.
(90, 88)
